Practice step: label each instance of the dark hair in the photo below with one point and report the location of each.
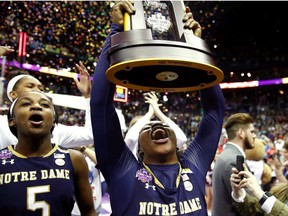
(236, 121)
(13, 129)
(13, 74)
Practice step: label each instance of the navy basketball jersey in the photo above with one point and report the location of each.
(154, 195)
(42, 186)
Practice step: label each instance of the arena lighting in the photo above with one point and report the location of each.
(66, 73)
(22, 44)
(54, 71)
(270, 82)
(239, 85)
(285, 80)
(45, 69)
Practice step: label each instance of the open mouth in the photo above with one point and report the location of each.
(159, 134)
(36, 119)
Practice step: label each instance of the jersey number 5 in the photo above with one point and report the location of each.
(33, 204)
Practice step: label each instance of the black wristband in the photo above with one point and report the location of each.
(264, 197)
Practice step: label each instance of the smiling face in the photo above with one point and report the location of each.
(158, 143)
(33, 114)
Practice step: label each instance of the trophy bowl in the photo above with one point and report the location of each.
(156, 53)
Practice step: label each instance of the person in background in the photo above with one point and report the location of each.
(93, 176)
(256, 202)
(39, 177)
(284, 153)
(154, 111)
(209, 176)
(122, 120)
(241, 136)
(277, 166)
(160, 182)
(67, 136)
(223, 140)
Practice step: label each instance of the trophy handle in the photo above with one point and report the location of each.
(127, 22)
(135, 21)
(179, 10)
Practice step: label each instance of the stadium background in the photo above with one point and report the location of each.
(249, 40)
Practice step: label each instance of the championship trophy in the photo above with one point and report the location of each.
(156, 53)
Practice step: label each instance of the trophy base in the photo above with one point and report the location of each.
(158, 65)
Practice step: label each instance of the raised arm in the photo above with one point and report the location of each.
(108, 139)
(73, 136)
(203, 148)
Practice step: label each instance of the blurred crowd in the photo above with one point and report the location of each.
(65, 31)
(60, 33)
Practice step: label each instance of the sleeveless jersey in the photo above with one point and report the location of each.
(183, 198)
(42, 186)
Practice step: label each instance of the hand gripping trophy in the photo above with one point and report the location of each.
(156, 53)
